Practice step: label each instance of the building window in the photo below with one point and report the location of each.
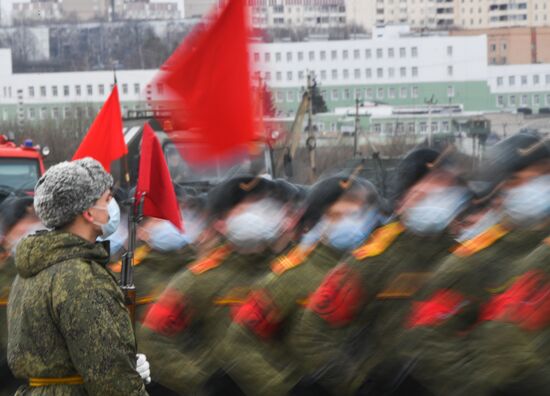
(357, 73)
(280, 96)
(414, 52)
(335, 94)
(511, 80)
(289, 56)
(548, 79)
(42, 91)
(368, 53)
(370, 93)
(345, 54)
(536, 79)
(356, 54)
(31, 92)
(334, 74)
(43, 113)
(256, 57)
(536, 100)
(301, 75)
(414, 92)
(101, 89)
(290, 96)
(493, 47)
(445, 126)
(323, 55)
(368, 73)
(267, 76)
(377, 128)
(300, 56)
(500, 100)
(523, 100)
(347, 94)
(54, 90)
(323, 74)
(523, 80)
(450, 91)
(391, 93)
(78, 90)
(450, 50)
(358, 93)
(267, 57)
(125, 89)
(403, 92)
(278, 57)
(334, 55)
(449, 70)
(32, 113)
(67, 112)
(434, 126)
(512, 100)
(289, 76)
(380, 93)
(346, 74)
(499, 81)
(379, 53)
(380, 72)
(391, 52)
(410, 127)
(403, 72)
(402, 52)
(423, 126)
(279, 76)
(391, 72)
(414, 71)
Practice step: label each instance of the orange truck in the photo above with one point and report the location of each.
(20, 166)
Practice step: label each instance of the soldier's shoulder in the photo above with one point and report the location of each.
(379, 242)
(291, 260)
(212, 260)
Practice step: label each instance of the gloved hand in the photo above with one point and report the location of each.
(143, 368)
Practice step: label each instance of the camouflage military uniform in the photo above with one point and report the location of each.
(355, 316)
(440, 338)
(259, 356)
(7, 275)
(183, 328)
(152, 272)
(67, 321)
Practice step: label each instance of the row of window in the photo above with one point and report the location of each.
(361, 93)
(79, 90)
(345, 54)
(411, 127)
(522, 100)
(43, 113)
(523, 80)
(346, 74)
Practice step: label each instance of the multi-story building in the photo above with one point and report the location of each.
(48, 10)
(413, 73)
(518, 45)
(198, 8)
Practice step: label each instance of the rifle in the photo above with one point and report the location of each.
(135, 215)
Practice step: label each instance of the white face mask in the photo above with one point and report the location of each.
(529, 203)
(260, 224)
(112, 224)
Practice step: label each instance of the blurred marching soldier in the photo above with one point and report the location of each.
(182, 329)
(259, 356)
(352, 321)
(17, 220)
(69, 330)
(450, 335)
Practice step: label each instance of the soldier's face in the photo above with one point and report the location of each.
(433, 181)
(99, 212)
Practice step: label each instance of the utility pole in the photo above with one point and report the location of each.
(430, 102)
(310, 142)
(356, 132)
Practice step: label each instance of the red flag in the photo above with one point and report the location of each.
(154, 181)
(105, 140)
(208, 77)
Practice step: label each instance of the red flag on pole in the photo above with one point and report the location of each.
(208, 77)
(154, 181)
(105, 140)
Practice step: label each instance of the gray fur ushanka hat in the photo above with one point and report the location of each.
(68, 189)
